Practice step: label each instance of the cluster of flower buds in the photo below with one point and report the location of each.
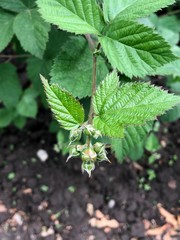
(89, 155)
(91, 131)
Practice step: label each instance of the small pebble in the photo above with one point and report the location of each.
(111, 204)
(42, 155)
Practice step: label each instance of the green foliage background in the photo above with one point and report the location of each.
(66, 60)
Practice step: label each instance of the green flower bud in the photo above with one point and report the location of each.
(91, 131)
(73, 152)
(75, 135)
(88, 166)
(102, 156)
(97, 134)
(88, 155)
(80, 148)
(98, 147)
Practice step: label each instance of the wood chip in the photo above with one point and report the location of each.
(90, 209)
(157, 231)
(3, 208)
(169, 218)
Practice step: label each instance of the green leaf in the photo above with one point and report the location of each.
(152, 143)
(105, 91)
(113, 130)
(14, 6)
(172, 115)
(134, 136)
(27, 107)
(36, 66)
(172, 68)
(132, 104)
(29, 23)
(10, 88)
(135, 49)
(76, 16)
(67, 110)
(132, 9)
(6, 28)
(19, 122)
(75, 73)
(6, 117)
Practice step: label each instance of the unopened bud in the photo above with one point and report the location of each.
(98, 147)
(73, 152)
(102, 156)
(75, 135)
(89, 155)
(88, 166)
(91, 131)
(80, 148)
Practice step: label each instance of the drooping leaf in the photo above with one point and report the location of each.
(10, 88)
(77, 16)
(67, 110)
(6, 28)
(32, 32)
(133, 104)
(72, 69)
(133, 138)
(14, 6)
(135, 49)
(132, 9)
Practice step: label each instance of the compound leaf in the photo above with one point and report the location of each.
(77, 16)
(6, 28)
(67, 110)
(132, 104)
(75, 73)
(114, 130)
(133, 138)
(132, 9)
(29, 23)
(105, 91)
(135, 49)
(10, 88)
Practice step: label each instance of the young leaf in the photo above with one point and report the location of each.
(14, 6)
(135, 49)
(133, 137)
(132, 9)
(75, 73)
(68, 112)
(10, 88)
(76, 16)
(133, 103)
(105, 91)
(6, 28)
(29, 23)
(113, 130)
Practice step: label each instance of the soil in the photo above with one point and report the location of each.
(48, 200)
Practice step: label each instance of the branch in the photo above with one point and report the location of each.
(15, 56)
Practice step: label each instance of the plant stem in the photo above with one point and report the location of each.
(15, 56)
(90, 41)
(91, 112)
